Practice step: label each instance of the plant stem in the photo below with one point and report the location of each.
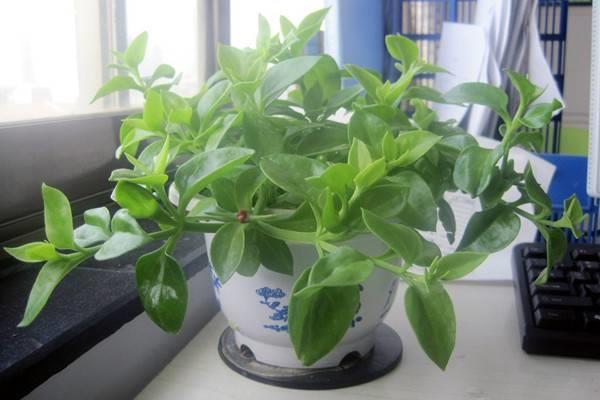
(201, 227)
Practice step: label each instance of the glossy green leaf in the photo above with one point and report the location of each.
(369, 129)
(536, 194)
(474, 169)
(163, 71)
(140, 202)
(359, 156)
(200, 170)
(51, 274)
(404, 240)
(539, 115)
(343, 267)
(429, 252)
(528, 92)
(280, 76)
(116, 84)
(307, 28)
(446, 216)
(572, 216)
(211, 101)
(290, 171)
(128, 175)
(480, 93)
(431, 314)
(247, 184)
(274, 254)
(33, 252)
(490, 230)
(96, 228)
(223, 191)
(136, 50)
(227, 249)
(370, 175)
(369, 81)
(162, 288)
(263, 37)
(57, 218)
(402, 49)
(413, 145)
(127, 235)
(417, 205)
(556, 247)
(154, 111)
(459, 264)
(326, 309)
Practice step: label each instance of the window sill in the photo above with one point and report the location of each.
(92, 303)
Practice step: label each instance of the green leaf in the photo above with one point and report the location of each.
(474, 169)
(115, 84)
(127, 235)
(343, 267)
(33, 252)
(490, 230)
(370, 175)
(227, 249)
(369, 81)
(413, 145)
(402, 49)
(572, 216)
(369, 129)
(359, 156)
(162, 289)
(290, 171)
(342, 98)
(131, 140)
(154, 111)
(275, 254)
(536, 194)
(286, 25)
(480, 93)
(211, 101)
(556, 247)
(223, 191)
(459, 264)
(163, 71)
(539, 115)
(319, 319)
(402, 239)
(96, 228)
(57, 218)
(327, 139)
(417, 205)
(128, 175)
(431, 314)
(339, 178)
(280, 76)
(263, 37)
(261, 135)
(246, 186)
(307, 28)
(446, 216)
(429, 252)
(136, 50)
(51, 274)
(138, 201)
(202, 169)
(527, 90)
(250, 258)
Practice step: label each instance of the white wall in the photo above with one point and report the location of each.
(577, 68)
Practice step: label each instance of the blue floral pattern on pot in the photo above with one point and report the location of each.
(280, 312)
(388, 301)
(216, 281)
(272, 299)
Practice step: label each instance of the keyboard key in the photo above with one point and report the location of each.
(584, 254)
(535, 263)
(592, 321)
(593, 289)
(557, 319)
(551, 288)
(555, 275)
(534, 252)
(565, 266)
(547, 300)
(589, 266)
(577, 277)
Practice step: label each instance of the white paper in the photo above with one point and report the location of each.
(462, 51)
(498, 265)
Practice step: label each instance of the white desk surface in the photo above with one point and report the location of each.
(487, 363)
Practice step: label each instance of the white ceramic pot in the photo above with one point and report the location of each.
(256, 308)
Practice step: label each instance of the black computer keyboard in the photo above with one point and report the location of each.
(561, 317)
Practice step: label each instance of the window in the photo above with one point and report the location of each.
(54, 59)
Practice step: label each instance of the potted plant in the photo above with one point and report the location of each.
(310, 221)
